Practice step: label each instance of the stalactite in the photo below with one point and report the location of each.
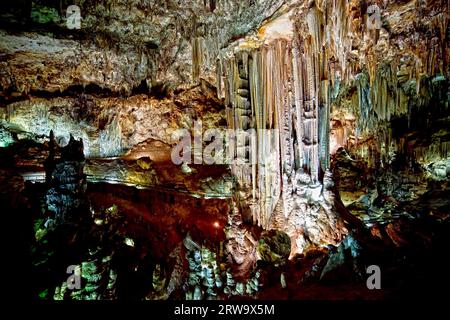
(324, 126)
(197, 57)
(340, 29)
(255, 83)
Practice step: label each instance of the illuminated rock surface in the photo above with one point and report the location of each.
(345, 114)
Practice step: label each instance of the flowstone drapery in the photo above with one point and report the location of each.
(277, 99)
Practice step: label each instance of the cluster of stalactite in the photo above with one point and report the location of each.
(336, 61)
(278, 97)
(224, 22)
(384, 75)
(393, 97)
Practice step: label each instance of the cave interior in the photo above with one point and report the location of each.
(227, 149)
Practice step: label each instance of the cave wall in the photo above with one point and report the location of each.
(94, 81)
(388, 90)
(121, 43)
(390, 86)
(318, 75)
(113, 126)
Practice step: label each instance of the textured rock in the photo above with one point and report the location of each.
(241, 244)
(111, 126)
(66, 197)
(43, 63)
(122, 43)
(274, 246)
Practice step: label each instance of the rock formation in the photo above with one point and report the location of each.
(66, 195)
(337, 144)
(274, 96)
